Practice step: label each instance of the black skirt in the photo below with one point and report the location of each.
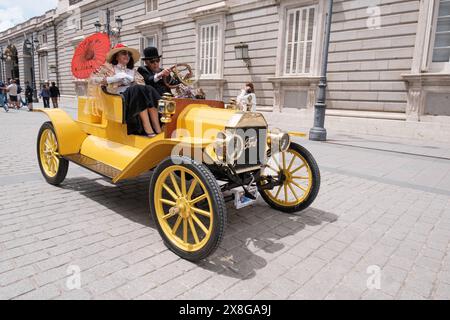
(138, 98)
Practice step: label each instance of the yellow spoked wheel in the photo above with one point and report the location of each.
(53, 166)
(188, 207)
(299, 180)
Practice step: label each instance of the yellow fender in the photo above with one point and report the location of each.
(151, 156)
(68, 132)
(297, 134)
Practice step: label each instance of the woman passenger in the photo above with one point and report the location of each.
(140, 101)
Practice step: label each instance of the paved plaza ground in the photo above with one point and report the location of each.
(379, 229)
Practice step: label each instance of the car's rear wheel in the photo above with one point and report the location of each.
(300, 177)
(53, 166)
(188, 207)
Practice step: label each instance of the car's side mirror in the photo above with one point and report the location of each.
(167, 108)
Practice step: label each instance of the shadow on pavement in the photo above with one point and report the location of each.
(249, 237)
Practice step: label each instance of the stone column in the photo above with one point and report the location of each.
(276, 97)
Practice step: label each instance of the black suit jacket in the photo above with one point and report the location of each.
(149, 77)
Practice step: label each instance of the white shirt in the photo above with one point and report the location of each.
(12, 89)
(247, 101)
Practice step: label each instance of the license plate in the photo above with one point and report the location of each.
(241, 201)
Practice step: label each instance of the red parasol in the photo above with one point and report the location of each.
(90, 55)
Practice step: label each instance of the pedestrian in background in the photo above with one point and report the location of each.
(55, 95)
(45, 95)
(247, 98)
(12, 90)
(21, 103)
(29, 95)
(3, 102)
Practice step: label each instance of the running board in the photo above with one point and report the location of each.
(94, 165)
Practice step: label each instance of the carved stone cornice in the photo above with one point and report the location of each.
(210, 10)
(427, 79)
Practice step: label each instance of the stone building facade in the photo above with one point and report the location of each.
(388, 59)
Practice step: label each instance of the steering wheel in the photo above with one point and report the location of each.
(179, 74)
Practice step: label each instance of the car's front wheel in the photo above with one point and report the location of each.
(300, 180)
(188, 207)
(53, 166)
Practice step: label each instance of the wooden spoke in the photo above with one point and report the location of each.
(271, 168)
(199, 223)
(300, 178)
(168, 202)
(185, 230)
(293, 191)
(175, 184)
(278, 192)
(299, 186)
(55, 164)
(183, 183)
(277, 163)
(169, 215)
(285, 193)
(291, 164)
(194, 232)
(196, 200)
(202, 212)
(177, 225)
(283, 155)
(191, 189)
(299, 168)
(170, 191)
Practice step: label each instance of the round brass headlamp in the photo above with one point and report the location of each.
(228, 147)
(278, 140)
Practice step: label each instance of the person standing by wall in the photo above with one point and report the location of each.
(3, 102)
(45, 95)
(20, 101)
(29, 95)
(12, 90)
(55, 95)
(247, 98)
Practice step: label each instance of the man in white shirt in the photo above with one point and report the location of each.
(12, 90)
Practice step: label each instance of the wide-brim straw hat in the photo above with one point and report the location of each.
(121, 47)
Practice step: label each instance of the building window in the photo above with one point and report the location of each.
(441, 48)
(43, 66)
(209, 49)
(299, 40)
(103, 19)
(152, 5)
(79, 24)
(44, 39)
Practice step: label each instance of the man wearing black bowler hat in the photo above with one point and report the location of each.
(152, 72)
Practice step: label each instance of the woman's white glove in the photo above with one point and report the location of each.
(128, 80)
(120, 77)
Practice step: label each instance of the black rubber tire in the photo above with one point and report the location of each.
(63, 163)
(218, 206)
(314, 189)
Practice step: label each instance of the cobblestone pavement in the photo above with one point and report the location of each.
(378, 213)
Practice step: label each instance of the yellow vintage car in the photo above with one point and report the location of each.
(208, 153)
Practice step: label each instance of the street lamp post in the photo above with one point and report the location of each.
(106, 28)
(319, 133)
(33, 46)
(2, 64)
